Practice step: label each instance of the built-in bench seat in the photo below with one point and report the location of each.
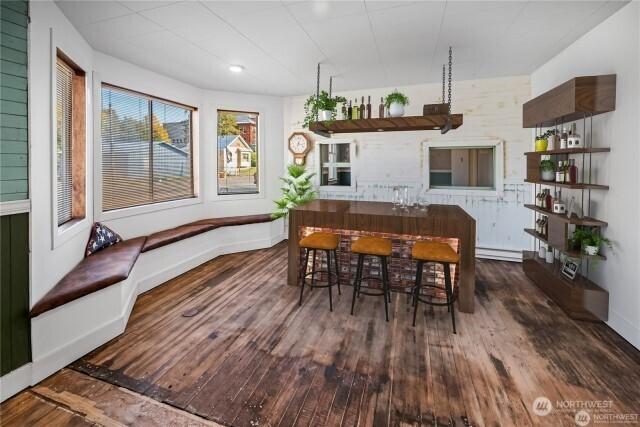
(172, 235)
(95, 272)
(113, 264)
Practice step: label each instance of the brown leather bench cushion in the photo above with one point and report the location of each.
(95, 272)
(166, 237)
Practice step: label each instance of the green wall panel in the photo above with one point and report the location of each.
(15, 336)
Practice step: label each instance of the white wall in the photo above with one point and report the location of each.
(492, 109)
(50, 260)
(613, 47)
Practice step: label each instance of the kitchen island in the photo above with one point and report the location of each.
(448, 223)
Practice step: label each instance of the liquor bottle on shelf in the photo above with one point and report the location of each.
(563, 139)
(539, 199)
(355, 115)
(560, 172)
(574, 140)
(573, 172)
(369, 107)
(548, 202)
(363, 109)
(381, 109)
(566, 171)
(350, 111)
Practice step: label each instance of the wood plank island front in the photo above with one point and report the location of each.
(351, 219)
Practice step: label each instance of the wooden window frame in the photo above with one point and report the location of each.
(78, 141)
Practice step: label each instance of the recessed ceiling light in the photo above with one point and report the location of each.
(236, 68)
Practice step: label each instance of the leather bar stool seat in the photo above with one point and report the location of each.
(377, 247)
(440, 253)
(327, 243)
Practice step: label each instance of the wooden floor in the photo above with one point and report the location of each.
(227, 342)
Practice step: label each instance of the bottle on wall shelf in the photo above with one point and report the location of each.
(548, 202)
(363, 109)
(574, 140)
(573, 172)
(560, 172)
(369, 107)
(350, 111)
(381, 108)
(354, 115)
(563, 139)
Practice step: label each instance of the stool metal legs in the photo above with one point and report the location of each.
(447, 288)
(357, 284)
(329, 271)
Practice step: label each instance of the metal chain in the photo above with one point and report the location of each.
(318, 90)
(450, 63)
(443, 83)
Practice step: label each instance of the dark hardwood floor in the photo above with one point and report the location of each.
(227, 342)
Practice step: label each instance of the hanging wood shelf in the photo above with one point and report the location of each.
(388, 124)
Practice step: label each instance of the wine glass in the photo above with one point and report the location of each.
(405, 197)
(396, 198)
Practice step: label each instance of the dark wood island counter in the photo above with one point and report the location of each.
(352, 218)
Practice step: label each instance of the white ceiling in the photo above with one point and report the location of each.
(363, 44)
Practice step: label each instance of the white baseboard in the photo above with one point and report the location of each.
(142, 278)
(625, 328)
(14, 381)
(514, 255)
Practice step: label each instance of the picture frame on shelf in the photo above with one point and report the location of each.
(570, 268)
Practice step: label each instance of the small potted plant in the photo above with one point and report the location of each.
(321, 108)
(542, 141)
(396, 102)
(588, 241)
(547, 170)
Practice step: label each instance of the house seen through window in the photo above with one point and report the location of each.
(146, 150)
(471, 168)
(237, 152)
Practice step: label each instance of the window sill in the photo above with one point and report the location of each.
(464, 192)
(240, 196)
(145, 209)
(65, 232)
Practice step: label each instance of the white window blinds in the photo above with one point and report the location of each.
(64, 108)
(146, 150)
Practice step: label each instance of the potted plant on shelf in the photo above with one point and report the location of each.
(542, 141)
(396, 102)
(547, 170)
(588, 241)
(297, 190)
(321, 108)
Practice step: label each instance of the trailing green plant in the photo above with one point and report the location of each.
(582, 237)
(315, 104)
(297, 190)
(396, 96)
(547, 134)
(547, 165)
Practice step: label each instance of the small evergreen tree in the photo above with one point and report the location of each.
(297, 190)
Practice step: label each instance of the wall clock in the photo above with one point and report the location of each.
(299, 145)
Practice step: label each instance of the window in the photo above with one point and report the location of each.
(146, 150)
(237, 152)
(469, 168)
(335, 164)
(70, 139)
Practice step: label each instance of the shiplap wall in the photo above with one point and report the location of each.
(13, 101)
(492, 109)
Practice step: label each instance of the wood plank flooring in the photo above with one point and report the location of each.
(227, 342)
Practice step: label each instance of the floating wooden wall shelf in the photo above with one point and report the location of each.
(572, 100)
(442, 122)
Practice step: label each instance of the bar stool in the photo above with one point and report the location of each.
(440, 253)
(372, 246)
(328, 243)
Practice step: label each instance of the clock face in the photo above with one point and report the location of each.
(298, 143)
